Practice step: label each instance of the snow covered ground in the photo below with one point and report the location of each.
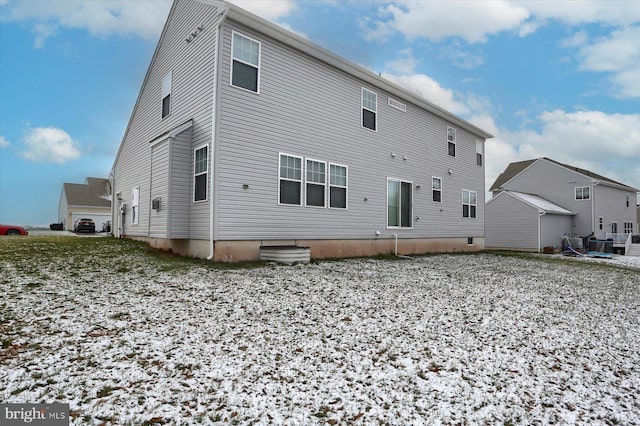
(447, 339)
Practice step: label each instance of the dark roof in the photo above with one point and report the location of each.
(514, 169)
(93, 193)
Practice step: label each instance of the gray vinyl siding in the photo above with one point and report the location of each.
(610, 204)
(309, 109)
(552, 228)
(510, 223)
(557, 184)
(159, 188)
(181, 178)
(192, 66)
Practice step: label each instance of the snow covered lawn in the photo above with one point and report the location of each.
(126, 337)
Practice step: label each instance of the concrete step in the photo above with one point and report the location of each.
(634, 250)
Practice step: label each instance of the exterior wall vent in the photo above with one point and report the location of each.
(397, 105)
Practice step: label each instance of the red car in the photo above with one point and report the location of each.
(13, 230)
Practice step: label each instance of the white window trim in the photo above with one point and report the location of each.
(454, 142)
(135, 203)
(167, 83)
(401, 181)
(233, 33)
(306, 182)
(469, 204)
(302, 180)
(368, 109)
(575, 193)
(479, 150)
(193, 190)
(346, 187)
(433, 189)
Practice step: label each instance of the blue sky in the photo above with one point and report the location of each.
(558, 79)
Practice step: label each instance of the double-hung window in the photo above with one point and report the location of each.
(245, 65)
(628, 227)
(479, 152)
(337, 186)
(200, 171)
(166, 94)
(316, 183)
(399, 204)
(369, 109)
(135, 210)
(583, 193)
(451, 141)
(290, 188)
(469, 203)
(436, 185)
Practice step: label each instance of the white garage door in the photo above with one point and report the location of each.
(98, 218)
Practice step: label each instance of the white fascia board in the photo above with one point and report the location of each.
(287, 37)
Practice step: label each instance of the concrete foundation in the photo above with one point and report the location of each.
(238, 251)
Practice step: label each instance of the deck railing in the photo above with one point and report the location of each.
(617, 237)
(627, 245)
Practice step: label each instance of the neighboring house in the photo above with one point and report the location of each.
(247, 135)
(536, 202)
(91, 200)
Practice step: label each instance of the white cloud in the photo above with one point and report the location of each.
(579, 39)
(267, 9)
(42, 32)
(475, 21)
(619, 55)
(436, 20)
(3, 142)
(49, 145)
(101, 18)
(105, 18)
(405, 64)
(607, 144)
(576, 12)
(429, 89)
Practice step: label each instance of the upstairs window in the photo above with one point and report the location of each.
(479, 152)
(245, 66)
(451, 141)
(290, 188)
(583, 193)
(316, 183)
(369, 109)
(135, 200)
(166, 94)
(200, 172)
(337, 186)
(628, 200)
(437, 189)
(399, 204)
(469, 204)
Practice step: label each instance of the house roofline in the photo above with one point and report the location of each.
(514, 194)
(291, 39)
(595, 179)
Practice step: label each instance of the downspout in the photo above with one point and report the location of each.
(540, 214)
(593, 207)
(214, 131)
